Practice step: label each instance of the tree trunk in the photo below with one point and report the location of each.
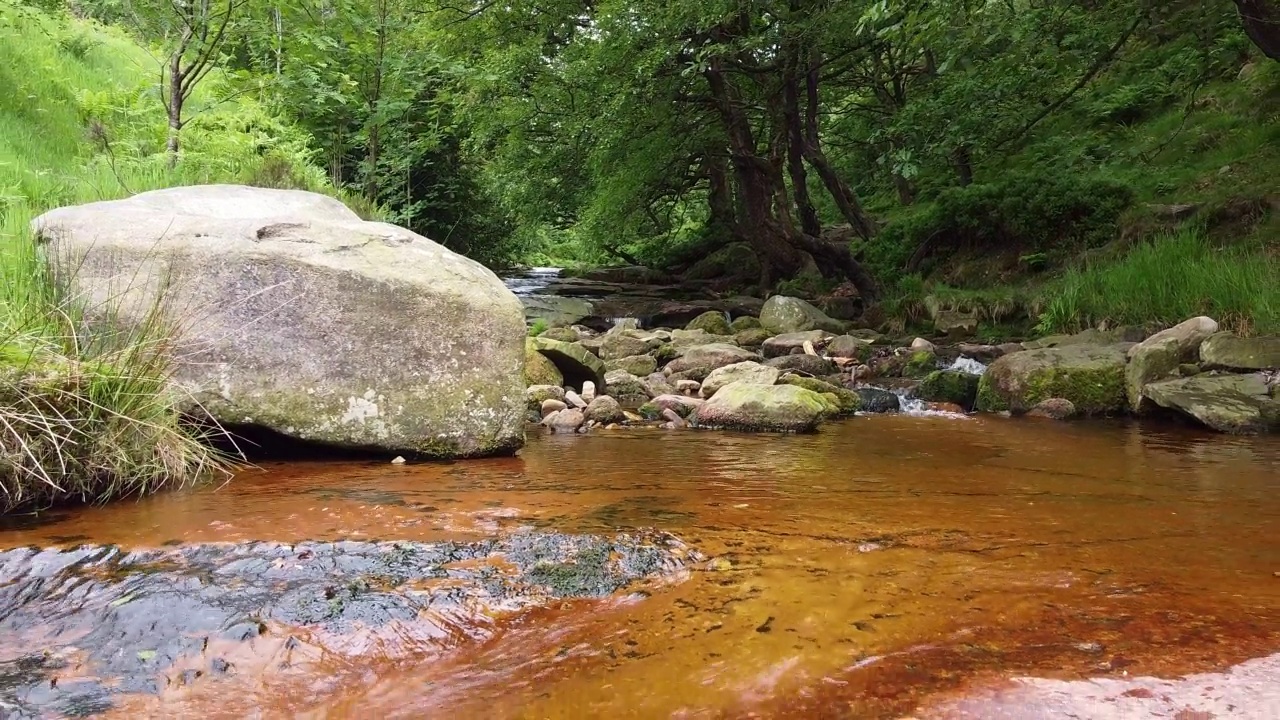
(906, 189)
(1261, 20)
(809, 222)
(174, 108)
(964, 165)
(840, 192)
(754, 176)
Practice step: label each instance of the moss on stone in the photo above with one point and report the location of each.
(949, 386)
(1094, 391)
(988, 399)
(921, 364)
(847, 401)
(711, 321)
(746, 322)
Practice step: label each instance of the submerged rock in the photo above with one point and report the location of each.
(1090, 376)
(1054, 409)
(764, 408)
(297, 316)
(140, 620)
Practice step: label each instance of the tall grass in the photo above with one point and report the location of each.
(85, 414)
(89, 413)
(1166, 280)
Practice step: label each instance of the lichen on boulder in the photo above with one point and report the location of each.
(848, 401)
(713, 322)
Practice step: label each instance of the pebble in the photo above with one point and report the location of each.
(575, 400)
(398, 461)
(588, 391)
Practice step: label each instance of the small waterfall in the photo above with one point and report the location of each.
(968, 366)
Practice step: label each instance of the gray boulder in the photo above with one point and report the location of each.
(848, 346)
(765, 408)
(605, 410)
(1159, 356)
(710, 357)
(537, 394)
(745, 372)
(682, 405)
(1225, 350)
(782, 314)
(1236, 404)
(640, 365)
(807, 364)
(614, 346)
(565, 421)
(293, 314)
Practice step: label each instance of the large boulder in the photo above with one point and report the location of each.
(626, 388)
(782, 314)
(744, 372)
(1237, 404)
(764, 408)
(710, 357)
(1225, 350)
(789, 343)
(577, 363)
(877, 400)
(1159, 356)
(293, 314)
(955, 324)
(1090, 376)
(682, 340)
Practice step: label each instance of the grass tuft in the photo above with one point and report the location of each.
(1166, 280)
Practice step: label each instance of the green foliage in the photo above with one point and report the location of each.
(1167, 280)
(1021, 212)
(84, 417)
(538, 327)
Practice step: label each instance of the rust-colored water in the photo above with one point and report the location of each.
(855, 573)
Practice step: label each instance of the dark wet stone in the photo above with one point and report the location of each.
(134, 614)
(875, 400)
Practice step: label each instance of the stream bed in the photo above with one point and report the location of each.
(888, 567)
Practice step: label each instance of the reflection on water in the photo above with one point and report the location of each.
(852, 573)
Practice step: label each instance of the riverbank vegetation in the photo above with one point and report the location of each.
(1044, 166)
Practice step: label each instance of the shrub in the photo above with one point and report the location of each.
(1029, 212)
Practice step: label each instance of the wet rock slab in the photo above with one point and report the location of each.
(130, 621)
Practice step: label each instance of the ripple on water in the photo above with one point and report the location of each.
(865, 571)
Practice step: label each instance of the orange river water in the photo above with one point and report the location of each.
(864, 572)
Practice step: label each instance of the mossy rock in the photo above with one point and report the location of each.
(765, 408)
(563, 334)
(949, 386)
(538, 369)
(711, 321)
(576, 362)
(1092, 377)
(745, 322)
(847, 401)
(752, 337)
(920, 364)
(665, 354)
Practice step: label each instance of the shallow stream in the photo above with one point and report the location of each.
(878, 569)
